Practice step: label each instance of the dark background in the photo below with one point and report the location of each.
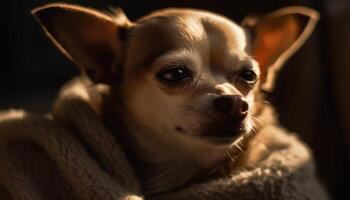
(312, 94)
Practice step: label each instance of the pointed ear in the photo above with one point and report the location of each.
(276, 37)
(91, 39)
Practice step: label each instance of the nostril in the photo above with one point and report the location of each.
(223, 104)
(234, 105)
(244, 107)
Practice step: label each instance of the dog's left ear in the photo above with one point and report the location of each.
(277, 36)
(91, 39)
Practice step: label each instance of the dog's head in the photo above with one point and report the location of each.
(189, 76)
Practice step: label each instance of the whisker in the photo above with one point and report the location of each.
(230, 157)
(266, 102)
(192, 125)
(258, 121)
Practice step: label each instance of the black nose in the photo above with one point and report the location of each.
(232, 104)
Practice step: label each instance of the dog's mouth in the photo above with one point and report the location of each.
(223, 134)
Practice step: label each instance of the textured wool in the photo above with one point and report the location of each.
(70, 154)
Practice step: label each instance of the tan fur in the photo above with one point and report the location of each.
(166, 125)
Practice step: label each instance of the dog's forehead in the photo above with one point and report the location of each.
(173, 29)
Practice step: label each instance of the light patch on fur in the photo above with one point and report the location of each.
(12, 113)
(227, 89)
(118, 15)
(192, 29)
(76, 88)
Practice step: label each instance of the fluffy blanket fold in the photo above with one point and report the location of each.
(71, 155)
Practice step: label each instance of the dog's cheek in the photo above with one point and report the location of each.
(154, 109)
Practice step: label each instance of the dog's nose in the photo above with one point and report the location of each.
(232, 104)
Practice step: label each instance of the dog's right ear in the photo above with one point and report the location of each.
(276, 36)
(92, 40)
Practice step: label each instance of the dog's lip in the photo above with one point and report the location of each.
(222, 140)
(227, 133)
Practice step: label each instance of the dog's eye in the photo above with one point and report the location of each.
(247, 75)
(174, 75)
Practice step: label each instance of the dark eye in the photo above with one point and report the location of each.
(174, 75)
(247, 75)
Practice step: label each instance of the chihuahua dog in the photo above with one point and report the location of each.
(179, 86)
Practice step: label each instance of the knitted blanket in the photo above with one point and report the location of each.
(70, 154)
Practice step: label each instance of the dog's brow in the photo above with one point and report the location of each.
(182, 56)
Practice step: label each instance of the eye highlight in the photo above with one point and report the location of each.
(174, 75)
